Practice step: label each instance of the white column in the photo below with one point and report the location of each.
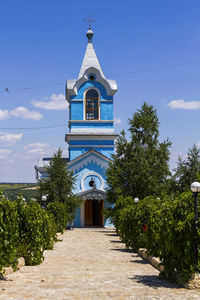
(82, 214)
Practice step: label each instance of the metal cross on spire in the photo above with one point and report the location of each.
(90, 20)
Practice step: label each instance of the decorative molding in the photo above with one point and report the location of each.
(92, 194)
(91, 146)
(92, 130)
(92, 173)
(91, 121)
(93, 137)
(74, 100)
(90, 159)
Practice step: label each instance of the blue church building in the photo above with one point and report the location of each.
(91, 135)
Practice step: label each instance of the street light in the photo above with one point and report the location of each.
(195, 188)
(136, 200)
(44, 199)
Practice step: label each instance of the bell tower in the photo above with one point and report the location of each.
(90, 98)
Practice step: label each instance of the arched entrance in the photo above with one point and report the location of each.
(92, 209)
(94, 212)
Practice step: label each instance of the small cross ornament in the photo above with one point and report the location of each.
(90, 20)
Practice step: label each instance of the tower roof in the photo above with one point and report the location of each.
(90, 58)
(90, 65)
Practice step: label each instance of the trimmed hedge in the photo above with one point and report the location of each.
(164, 227)
(27, 230)
(9, 233)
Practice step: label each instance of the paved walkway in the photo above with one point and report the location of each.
(90, 264)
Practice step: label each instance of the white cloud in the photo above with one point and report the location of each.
(24, 113)
(181, 104)
(55, 102)
(10, 138)
(117, 121)
(37, 148)
(4, 114)
(4, 153)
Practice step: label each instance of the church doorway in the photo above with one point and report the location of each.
(94, 212)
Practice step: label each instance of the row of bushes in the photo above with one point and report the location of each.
(26, 230)
(164, 227)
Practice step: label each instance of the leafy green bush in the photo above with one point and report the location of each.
(37, 231)
(164, 227)
(9, 232)
(58, 210)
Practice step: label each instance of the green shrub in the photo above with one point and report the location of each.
(164, 227)
(37, 231)
(58, 210)
(9, 233)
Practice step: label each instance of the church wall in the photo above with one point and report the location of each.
(77, 218)
(106, 111)
(92, 142)
(76, 110)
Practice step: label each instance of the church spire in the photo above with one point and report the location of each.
(90, 59)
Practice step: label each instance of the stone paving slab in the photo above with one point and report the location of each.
(90, 264)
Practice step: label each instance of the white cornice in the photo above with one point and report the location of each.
(91, 121)
(89, 146)
(87, 130)
(91, 137)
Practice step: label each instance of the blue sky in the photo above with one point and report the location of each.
(43, 44)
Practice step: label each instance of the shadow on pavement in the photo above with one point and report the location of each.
(116, 242)
(123, 250)
(139, 261)
(154, 282)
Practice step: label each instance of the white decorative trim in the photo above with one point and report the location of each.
(92, 130)
(93, 146)
(90, 137)
(79, 165)
(104, 100)
(92, 173)
(82, 214)
(73, 100)
(91, 121)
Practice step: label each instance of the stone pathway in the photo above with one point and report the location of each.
(89, 264)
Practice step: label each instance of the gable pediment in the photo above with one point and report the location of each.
(87, 158)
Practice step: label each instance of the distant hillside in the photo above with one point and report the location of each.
(13, 190)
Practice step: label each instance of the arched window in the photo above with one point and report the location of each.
(92, 105)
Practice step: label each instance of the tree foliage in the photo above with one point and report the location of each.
(58, 182)
(188, 170)
(140, 165)
(58, 185)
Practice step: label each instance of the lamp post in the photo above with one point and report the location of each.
(195, 188)
(136, 200)
(44, 199)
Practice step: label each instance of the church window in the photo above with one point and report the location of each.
(91, 77)
(92, 105)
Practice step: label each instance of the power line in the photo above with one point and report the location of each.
(32, 128)
(158, 68)
(7, 90)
